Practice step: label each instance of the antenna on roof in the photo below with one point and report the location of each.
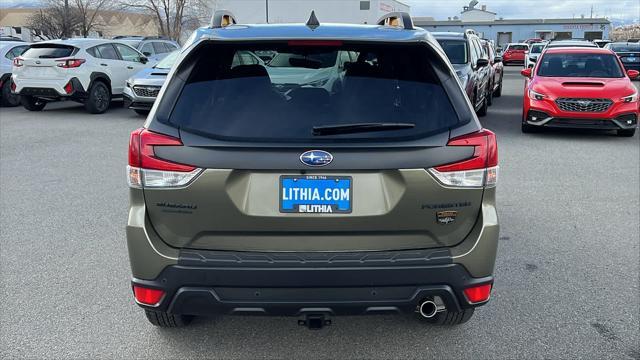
(313, 22)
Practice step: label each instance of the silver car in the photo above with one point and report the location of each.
(142, 88)
(155, 48)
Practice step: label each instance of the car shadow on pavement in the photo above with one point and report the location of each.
(386, 336)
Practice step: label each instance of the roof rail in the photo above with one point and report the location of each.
(222, 18)
(159, 37)
(126, 36)
(398, 19)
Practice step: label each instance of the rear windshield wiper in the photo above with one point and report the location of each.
(359, 128)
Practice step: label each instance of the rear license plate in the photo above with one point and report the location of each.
(39, 71)
(315, 194)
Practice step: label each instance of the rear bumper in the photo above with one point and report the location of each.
(211, 282)
(55, 92)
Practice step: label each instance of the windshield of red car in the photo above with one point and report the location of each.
(580, 65)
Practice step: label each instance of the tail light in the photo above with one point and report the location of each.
(18, 61)
(478, 294)
(146, 170)
(70, 63)
(478, 171)
(147, 296)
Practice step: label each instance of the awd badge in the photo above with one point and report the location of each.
(446, 217)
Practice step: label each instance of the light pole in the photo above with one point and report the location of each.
(266, 10)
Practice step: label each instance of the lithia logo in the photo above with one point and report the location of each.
(446, 217)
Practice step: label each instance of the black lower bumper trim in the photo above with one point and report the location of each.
(596, 124)
(300, 301)
(309, 288)
(136, 105)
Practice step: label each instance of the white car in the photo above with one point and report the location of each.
(535, 50)
(89, 71)
(326, 71)
(8, 51)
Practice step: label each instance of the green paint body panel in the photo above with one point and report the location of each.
(238, 210)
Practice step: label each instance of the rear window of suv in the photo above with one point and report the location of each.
(518, 47)
(303, 87)
(49, 51)
(537, 48)
(456, 50)
(625, 47)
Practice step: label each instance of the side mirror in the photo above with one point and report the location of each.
(144, 60)
(534, 59)
(482, 62)
(497, 59)
(526, 72)
(146, 53)
(633, 74)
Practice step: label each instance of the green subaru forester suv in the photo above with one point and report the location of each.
(312, 170)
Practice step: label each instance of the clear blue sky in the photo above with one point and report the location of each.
(619, 11)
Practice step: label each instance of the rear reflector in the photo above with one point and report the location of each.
(478, 294)
(146, 296)
(68, 88)
(480, 170)
(147, 170)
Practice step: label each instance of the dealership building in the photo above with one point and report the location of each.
(298, 11)
(504, 31)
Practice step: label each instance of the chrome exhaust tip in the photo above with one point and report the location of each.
(428, 309)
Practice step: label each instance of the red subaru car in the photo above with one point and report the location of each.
(515, 53)
(580, 88)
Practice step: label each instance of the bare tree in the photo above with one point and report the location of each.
(60, 18)
(88, 11)
(56, 19)
(173, 16)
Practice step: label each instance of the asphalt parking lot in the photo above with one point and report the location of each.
(567, 273)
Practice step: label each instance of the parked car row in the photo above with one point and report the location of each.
(477, 66)
(569, 83)
(89, 71)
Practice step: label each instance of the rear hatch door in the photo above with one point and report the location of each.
(41, 61)
(263, 188)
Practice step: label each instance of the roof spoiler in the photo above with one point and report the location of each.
(222, 18)
(397, 19)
